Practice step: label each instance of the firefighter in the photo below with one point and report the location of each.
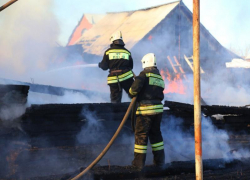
(120, 64)
(148, 87)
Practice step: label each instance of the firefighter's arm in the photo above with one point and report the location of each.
(137, 85)
(104, 63)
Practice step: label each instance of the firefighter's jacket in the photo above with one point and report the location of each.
(119, 61)
(148, 87)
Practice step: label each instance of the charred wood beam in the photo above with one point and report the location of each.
(55, 120)
(208, 110)
(53, 90)
(60, 123)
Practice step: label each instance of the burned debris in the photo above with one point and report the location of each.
(58, 141)
(53, 129)
(231, 118)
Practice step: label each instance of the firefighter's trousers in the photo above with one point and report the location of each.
(116, 92)
(148, 126)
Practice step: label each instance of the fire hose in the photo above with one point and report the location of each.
(110, 142)
(133, 114)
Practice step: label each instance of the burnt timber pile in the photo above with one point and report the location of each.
(53, 129)
(13, 94)
(64, 121)
(230, 118)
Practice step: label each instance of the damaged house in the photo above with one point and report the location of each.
(165, 30)
(87, 21)
(71, 52)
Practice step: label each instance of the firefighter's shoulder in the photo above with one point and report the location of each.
(120, 50)
(107, 51)
(142, 73)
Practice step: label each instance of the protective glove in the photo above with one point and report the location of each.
(131, 96)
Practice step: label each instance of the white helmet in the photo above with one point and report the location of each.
(115, 36)
(148, 60)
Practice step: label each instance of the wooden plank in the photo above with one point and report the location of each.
(172, 64)
(191, 64)
(180, 68)
(178, 64)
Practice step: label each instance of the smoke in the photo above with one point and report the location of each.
(29, 36)
(38, 164)
(93, 131)
(28, 32)
(179, 145)
(227, 87)
(178, 141)
(9, 113)
(12, 102)
(98, 132)
(67, 98)
(90, 78)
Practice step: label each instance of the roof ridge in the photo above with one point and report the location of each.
(145, 9)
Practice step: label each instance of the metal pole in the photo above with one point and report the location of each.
(7, 4)
(197, 94)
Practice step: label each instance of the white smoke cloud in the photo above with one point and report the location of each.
(67, 98)
(224, 87)
(8, 113)
(179, 145)
(227, 87)
(92, 131)
(28, 32)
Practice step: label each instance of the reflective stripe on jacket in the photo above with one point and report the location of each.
(155, 79)
(118, 54)
(122, 77)
(116, 57)
(149, 109)
(148, 87)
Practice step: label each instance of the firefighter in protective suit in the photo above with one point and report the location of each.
(148, 87)
(120, 63)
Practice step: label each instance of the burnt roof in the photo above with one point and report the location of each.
(133, 24)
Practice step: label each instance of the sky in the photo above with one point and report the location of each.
(226, 20)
